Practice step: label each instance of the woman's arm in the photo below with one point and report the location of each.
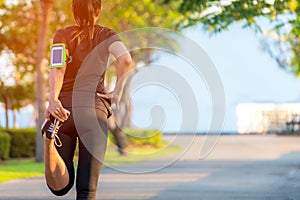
(124, 63)
(55, 107)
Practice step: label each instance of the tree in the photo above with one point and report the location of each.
(283, 15)
(18, 40)
(284, 49)
(47, 7)
(21, 37)
(3, 98)
(219, 15)
(15, 97)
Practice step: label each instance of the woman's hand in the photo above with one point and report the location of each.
(56, 109)
(113, 96)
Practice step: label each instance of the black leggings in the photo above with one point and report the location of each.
(92, 139)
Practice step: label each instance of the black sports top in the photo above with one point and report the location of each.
(79, 47)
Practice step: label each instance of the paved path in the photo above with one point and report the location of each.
(239, 167)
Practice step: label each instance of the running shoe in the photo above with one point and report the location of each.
(51, 128)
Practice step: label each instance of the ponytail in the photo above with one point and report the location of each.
(84, 14)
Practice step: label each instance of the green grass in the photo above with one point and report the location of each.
(16, 169)
(136, 154)
(24, 168)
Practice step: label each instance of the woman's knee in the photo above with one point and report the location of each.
(70, 184)
(63, 191)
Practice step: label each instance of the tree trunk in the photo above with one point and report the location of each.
(15, 119)
(5, 102)
(121, 119)
(119, 136)
(6, 113)
(125, 121)
(47, 7)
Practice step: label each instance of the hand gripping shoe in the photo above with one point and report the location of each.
(51, 127)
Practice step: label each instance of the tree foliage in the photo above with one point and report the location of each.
(19, 34)
(124, 15)
(281, 36)
(17, 39)
(219, 15)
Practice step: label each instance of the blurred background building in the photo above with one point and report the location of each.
(268, 118)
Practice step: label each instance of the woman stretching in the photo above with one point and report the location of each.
(71, 112)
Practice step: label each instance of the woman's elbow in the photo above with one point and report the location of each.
(126, 60)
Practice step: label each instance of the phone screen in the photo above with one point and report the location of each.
(57, 56)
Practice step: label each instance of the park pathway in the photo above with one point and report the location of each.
(239, 167)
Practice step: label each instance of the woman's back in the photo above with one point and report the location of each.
(79, 46)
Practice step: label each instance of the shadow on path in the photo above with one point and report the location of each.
(275, 179)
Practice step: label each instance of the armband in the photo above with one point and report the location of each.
(58, 55)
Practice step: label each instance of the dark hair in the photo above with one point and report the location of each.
(84, 12)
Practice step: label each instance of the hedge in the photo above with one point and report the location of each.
(23, 142)
(141, 137)
(19, 143)
(4, 145)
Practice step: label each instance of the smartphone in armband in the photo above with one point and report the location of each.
(58, 55)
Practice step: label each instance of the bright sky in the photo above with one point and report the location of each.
(6, 69)
(249, 76)
(246, 70)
